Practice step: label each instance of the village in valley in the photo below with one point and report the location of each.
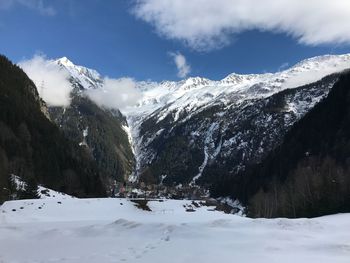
(141, 193)
(149, 191)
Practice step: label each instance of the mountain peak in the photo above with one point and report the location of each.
(65, 62)
(85, 77)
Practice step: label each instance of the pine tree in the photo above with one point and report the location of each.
(31, 191)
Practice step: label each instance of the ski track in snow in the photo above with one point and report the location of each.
(114, 230)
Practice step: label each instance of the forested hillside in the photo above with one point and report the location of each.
(101, 130)
(309, 173)
(32, 147)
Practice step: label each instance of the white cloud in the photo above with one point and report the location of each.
(206, 24)
(115, 94)
(55, 89)
(37, 5)
(183, 69)
(52, 82)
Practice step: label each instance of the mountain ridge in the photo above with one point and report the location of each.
(195, 132)
(171, 100)
(167, 106)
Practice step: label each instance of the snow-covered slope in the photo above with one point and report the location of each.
(43, 192)
(213, 116)
(194, 92)
(114, 230)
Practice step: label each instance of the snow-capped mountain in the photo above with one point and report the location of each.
(195, 92)
(82, 77)
(102, 132)
(197, 126)
(193, 130)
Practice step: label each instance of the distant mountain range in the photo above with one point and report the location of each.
(211, 133)
(225, 124)
(196, 131)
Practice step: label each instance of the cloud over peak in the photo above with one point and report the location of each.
(207, 25)
(183, 69)
(52, 82)
(115, 93)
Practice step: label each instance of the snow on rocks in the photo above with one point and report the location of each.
(210, 150)
(173, 103)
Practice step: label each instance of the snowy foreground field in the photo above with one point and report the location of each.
(66, 229)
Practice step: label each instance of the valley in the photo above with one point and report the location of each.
(174, 131)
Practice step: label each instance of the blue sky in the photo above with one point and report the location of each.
(127, 38)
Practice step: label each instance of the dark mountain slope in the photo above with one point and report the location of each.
(100, 132)
(224, 140)
(309, 173)
(32, 147)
